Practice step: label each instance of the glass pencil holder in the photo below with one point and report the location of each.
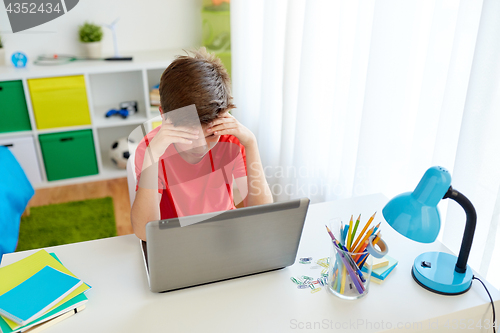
(349, 272)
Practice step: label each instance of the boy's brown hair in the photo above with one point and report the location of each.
(200, 79)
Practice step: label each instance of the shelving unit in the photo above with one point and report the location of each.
(107, 84)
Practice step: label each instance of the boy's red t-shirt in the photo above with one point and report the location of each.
(191, 189)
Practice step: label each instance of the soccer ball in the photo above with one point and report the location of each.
(120, 152)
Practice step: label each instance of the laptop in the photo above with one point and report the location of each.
(233, 244)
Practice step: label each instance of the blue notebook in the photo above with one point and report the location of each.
(33, 297)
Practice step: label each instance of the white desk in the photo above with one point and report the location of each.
(120, 300)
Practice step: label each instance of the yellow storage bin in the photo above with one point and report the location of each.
(59, 101)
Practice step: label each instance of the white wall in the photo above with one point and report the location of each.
(144, 25)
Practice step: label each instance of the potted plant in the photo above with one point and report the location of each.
(2, 53)
(91, 35)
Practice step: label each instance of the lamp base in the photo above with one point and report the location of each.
(435, 271)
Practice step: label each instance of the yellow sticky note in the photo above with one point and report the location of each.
(18, 272)
(379, 262)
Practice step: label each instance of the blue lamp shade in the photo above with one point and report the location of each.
(415, 214)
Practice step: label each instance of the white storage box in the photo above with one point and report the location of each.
(23, 148)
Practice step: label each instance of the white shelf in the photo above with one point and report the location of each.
(142, 60)
(116, 120)
(63, 129)
(154, 109)
(107, 83)
(110, 172)
(107, 136)
(15, 134)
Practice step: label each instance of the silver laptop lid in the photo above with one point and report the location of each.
(235, 243)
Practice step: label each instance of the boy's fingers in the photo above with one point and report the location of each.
(225, 131)
(221, 121)
(187, 129)
(179, 134)
(221, 127)
(181, 140)
(184, 129)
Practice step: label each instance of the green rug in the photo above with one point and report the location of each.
(66, 223)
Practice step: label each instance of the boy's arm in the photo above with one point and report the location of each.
(254, 183)
(146, 206)
(147, 199)
(254, 188)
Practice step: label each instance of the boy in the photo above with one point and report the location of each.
(186, 169)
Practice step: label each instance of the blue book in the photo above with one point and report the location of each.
(33, 297)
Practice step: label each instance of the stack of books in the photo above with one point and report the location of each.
(154, 95)
(38, 292)
(382, 268)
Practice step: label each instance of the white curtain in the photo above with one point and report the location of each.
(355, 97)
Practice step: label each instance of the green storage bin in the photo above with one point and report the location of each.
(68, 154)
(13, 110)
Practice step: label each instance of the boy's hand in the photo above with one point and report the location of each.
(169, 134)
(227, 124)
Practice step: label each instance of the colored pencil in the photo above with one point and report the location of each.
(350, 260)
(365, 238)
(376, 228)
(357, 275)
(354, 231)
(342, 232)
(342, 284)
(360, 237)
(363, 248)
(349, 233)
(360, 253)
(375, 241)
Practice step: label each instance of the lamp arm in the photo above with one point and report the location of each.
(470, 227)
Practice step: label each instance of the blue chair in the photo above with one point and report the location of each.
(15, 193)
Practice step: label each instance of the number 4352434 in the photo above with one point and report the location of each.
(32, 8)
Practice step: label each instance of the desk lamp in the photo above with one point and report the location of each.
(416, 216)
